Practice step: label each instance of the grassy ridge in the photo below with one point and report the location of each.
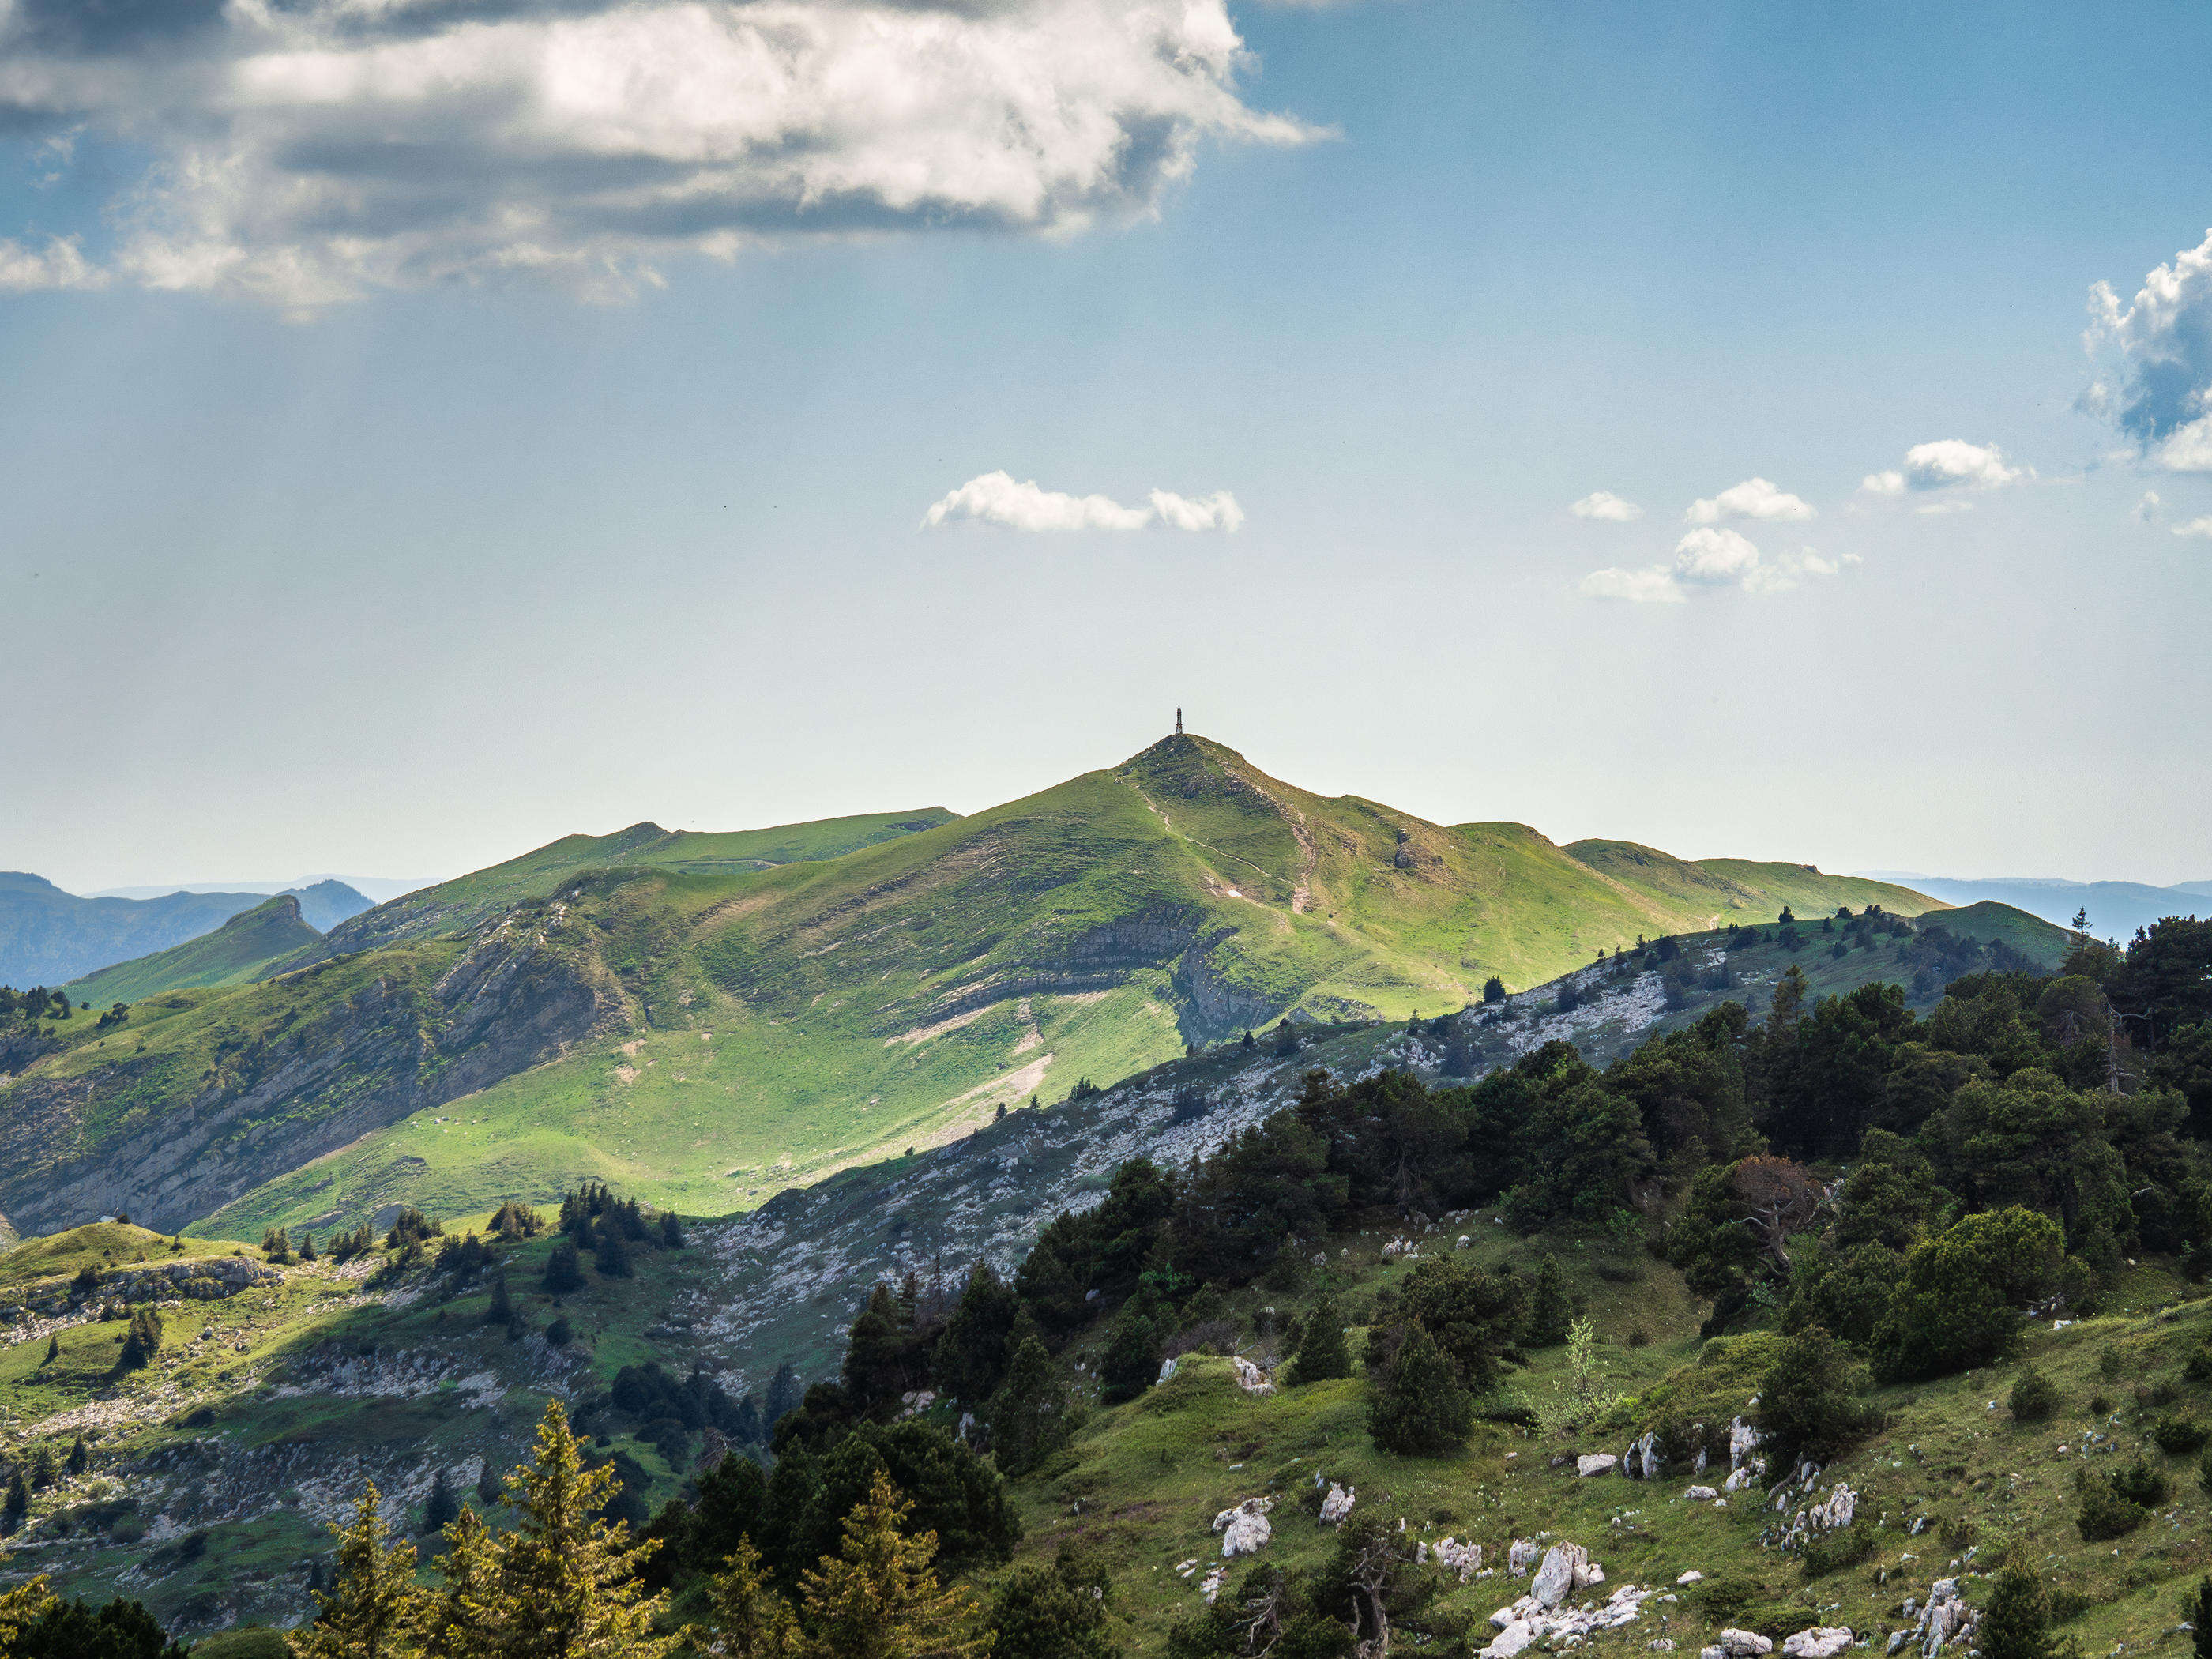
(242, 949)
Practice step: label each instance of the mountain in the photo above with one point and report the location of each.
(374, 890)
(48, 936)
(285, 1389)
(2116, 908)
(707, 1020)
(241, 949)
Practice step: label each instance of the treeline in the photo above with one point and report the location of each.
(37, 1003)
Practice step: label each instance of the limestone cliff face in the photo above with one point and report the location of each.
(393, 1046)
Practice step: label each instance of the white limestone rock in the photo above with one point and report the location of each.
(1594, 1463)
(1245, 1529)
(1821, 1642)
(1338, 1504)
(1701, 1494)
(1691, 1577)
(1521, 1556)
(1745, 1645)
(1251, 1377)
(1563, 1565)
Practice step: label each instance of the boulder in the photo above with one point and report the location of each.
(1821, 1642)
(1592, 1463)
(1744, 1645)
(1167, 1370)
(1563, 1565)
(1521, 1556)
(1511, 1640)
(1245, 1529)
(1337, 1505)
(1701, 1494)
(1251, 1377)
(1693, 1577)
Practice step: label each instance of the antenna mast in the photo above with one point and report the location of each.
(1178, 722)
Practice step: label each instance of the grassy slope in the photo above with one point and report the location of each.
(1742, 890)
(238, 950)
(1148, 1476)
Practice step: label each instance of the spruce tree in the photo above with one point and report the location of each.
(53, 1349)
(79, 1457)
(1028, 1416)
(752, 1621)
(971, 1353)
(501, 1312)
(442, 1508)
(671, 1231)
(879, 1599)
(1550, 1312)
(21, 1604)
(307, 1247)
(1419, 1408)
(612, 1257)
(1059, 1612)
(371, 1611)
(1322, 1353)
(449, 1621)
(565, 1584)
(18, 1502)
(563, 1274)
(2200, 1618)
(2016, 1623)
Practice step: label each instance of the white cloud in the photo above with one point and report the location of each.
(996, 498)
(1934, 509)
(2195, 527)
(2155, 383)
(2147, 508)
(1656, 586)
(59, 265)
(1604, 504)
(1754, 498)
(1715, 558)
(311, 151)
(1218, 511)
(1706, 559)
(1946, 463)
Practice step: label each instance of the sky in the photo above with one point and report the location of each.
(432, 426)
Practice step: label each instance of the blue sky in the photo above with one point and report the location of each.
(346, 527)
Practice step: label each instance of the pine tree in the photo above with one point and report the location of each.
(1029, 1414)
(53, 1349)
(751, 1621)
(1419, 1408)
(307, 1247)
(879, 1599)
(2016, 1623)
(783, 1394)
(80, 1457)
(501, 1312)
(563, 1273)
(1550, 1312)
(671, 1231)
(2200, 1616)
(20, 1605)
(612, 1257)
(450, 1621)
(18, 1503)
(1322, 1353)
(372, 1610)
(442, 1508)
(971, 1353)
(565, 1585)
(141, 1342)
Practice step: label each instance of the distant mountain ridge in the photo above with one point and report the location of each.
(2116, 908)
(49, 937)
(241, 949)
(374, 888)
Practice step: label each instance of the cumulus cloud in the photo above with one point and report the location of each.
(2195, 527)
(1946, 463)
(1708, 559)
(1754, 498)
(60, 263)
(997, 498)
(1604, 504)
(2154, 381)
(308, 151)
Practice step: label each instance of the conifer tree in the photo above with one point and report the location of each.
(450, 1622)
(671, 1231)
(501, 1312)
(307, 1247)
(562, 1273)
(1550, 1312)
(2200, 1616)
(971, 1354)
(2016, 1623)
(441, 1508)
(612, 1257)
(20, 1605)
(879, 1599)
(565, 1585)
(1322, 1353)
(752, 1621)
(79, 1457)
(1029, 1414)
(1419, 1409)
(53, 1349)
(18, 1503)
(372, 1610)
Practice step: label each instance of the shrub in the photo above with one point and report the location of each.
(1804, 1410)
(2100, 1405)
(1847, 1548)
(2101, 1513)
(2139, 1483)
(2178, 1435)
(2110, 1365)
(1419, 1408)
(563, 1272)
(1322, 1352)
(1959, 1303)
(2034, 1396)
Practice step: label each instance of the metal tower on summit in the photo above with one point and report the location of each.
(1178, 722)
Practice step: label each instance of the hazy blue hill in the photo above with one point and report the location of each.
(234, 953)
(2116, 908)
(323, 905)
(48, 937)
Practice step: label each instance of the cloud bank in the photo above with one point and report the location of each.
(2155, 379)
(997, 498)
(1604, 505)
(1754, 498)
(1946, 463)
(309, 151)
(1707, 559)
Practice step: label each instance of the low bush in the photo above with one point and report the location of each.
(1847, 1548)
(2139, 1483)
(2178, 1435)
(2100, 1512)
(2034, 1396)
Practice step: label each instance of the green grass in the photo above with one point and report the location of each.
(96, 1244)
(242, 949)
